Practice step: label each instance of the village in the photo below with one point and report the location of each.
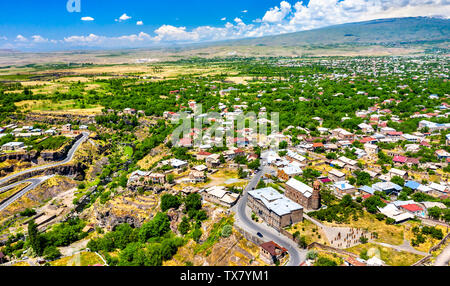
(363, 185)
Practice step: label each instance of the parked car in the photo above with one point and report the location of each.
(259, 234)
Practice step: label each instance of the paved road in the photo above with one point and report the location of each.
(69, 158)
(34, 183)
(444, 258)
(242, 219)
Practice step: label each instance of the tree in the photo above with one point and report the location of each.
(35, 238)
(184, 226)
(196, 234)
(283, 145)
(398, 180)
(170, 178)
(254, 165)
(51, 253)
(302, 242)
(193, 202)
(372, 203)
(435, 212)
(169, 201)
(323, 261)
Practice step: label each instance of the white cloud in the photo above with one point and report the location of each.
(21, 38)
(277, 14)
(124, 17)
(83, 39)
(223, 19)
(139, 23)
(244, 11)
(87, 19)
(39, 39)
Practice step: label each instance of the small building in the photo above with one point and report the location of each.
(197, 177)
(219, 195)
(13, 146)
(271, 252)
(66, 128)
(289, 172)
(344, 188)
(414, 209)
(336, 175)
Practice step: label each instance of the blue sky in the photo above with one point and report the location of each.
(48, 25)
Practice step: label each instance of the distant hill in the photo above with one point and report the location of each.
(382, 31)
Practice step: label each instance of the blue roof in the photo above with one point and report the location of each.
(413, 185)
(367, 189)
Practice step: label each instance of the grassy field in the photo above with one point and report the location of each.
(389, 255)
(63, 106)
(81, 259)
(391, 234)
(310, 231)
(429, 242)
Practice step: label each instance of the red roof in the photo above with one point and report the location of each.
(354, 262)
(271, 247)
(400, 159)
(412, 207)
(317, 144)
(366, 196)
(413, 161)
(367, 139)
(203, 153)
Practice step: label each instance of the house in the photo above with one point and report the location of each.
(442, 154)
(438, 189)
(391, 211)
(367, 190)
(212, 161)
(178, 164)
(219, 195)
(200, 168)
(197, 177)
(289, 172)
(129, 111)
(202, 155)
(13, 146)
(295, 157)
(387, 187)
(371, 149)
(350, 261)
(66, 128)
(185, 142)
(399, 160)
(396, 172)
(336, 175)
(344, 188)
(413, 185)
(366, 128)
(271, 252)
(274, 208)
(414, 209)
(349, 163)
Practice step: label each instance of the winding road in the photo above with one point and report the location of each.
(296, 255)
(69, 158)
(34, 183)
(37, 181)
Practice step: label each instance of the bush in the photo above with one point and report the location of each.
(51, 253)
(169, 201)
(28, 212)
(227, 230)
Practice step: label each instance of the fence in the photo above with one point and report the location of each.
(250, 237)
(331, 249)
